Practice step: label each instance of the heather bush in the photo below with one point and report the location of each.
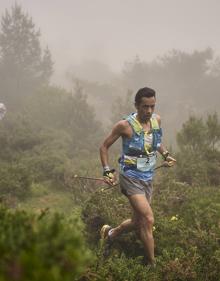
(186, 234)
(41, 246)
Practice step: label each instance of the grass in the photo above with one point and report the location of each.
(44, 197)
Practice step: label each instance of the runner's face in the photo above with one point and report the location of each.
(145, 108)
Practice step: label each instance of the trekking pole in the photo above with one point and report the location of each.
(96, 179)
(164, 164)
(88, 178)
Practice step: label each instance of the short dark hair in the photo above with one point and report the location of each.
(144, 93)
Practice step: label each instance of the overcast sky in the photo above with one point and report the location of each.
(115, 31)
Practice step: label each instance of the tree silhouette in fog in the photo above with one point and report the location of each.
(24, 65)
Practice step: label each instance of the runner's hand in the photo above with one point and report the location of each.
(109, 177)
(170, 161)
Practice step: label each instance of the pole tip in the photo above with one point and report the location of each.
(75, 176)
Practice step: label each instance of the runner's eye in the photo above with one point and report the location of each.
(149, 106)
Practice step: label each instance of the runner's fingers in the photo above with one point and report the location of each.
(108, 181)
(171, 162)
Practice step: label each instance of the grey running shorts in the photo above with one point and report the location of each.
(130, 186)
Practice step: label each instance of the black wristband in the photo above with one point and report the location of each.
(106, 173)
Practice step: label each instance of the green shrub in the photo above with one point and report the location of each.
(40, 247)
(125, 269)
(15, 180)
(100, 208)
(186, 233)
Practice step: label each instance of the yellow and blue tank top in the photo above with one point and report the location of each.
(139, 152)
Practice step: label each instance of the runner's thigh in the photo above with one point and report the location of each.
(140, 205)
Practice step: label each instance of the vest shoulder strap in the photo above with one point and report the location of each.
(137, 126)
(154, 122)
(132, 120)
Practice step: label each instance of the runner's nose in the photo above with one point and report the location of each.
(149, 110)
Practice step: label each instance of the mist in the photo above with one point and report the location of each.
(109, 49)
(69, 71)
(113, 32)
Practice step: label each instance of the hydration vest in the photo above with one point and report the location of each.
(139, 151)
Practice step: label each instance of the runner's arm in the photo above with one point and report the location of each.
(115, 134)
(162, 149)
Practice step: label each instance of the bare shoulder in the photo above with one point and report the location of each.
(158, 118)
(121, 127)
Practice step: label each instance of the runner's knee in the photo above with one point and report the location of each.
(147, 220)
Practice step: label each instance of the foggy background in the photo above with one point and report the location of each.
(64, 88)
(111, 48)
(112, 32)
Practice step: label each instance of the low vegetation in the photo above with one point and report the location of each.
(50, 219)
